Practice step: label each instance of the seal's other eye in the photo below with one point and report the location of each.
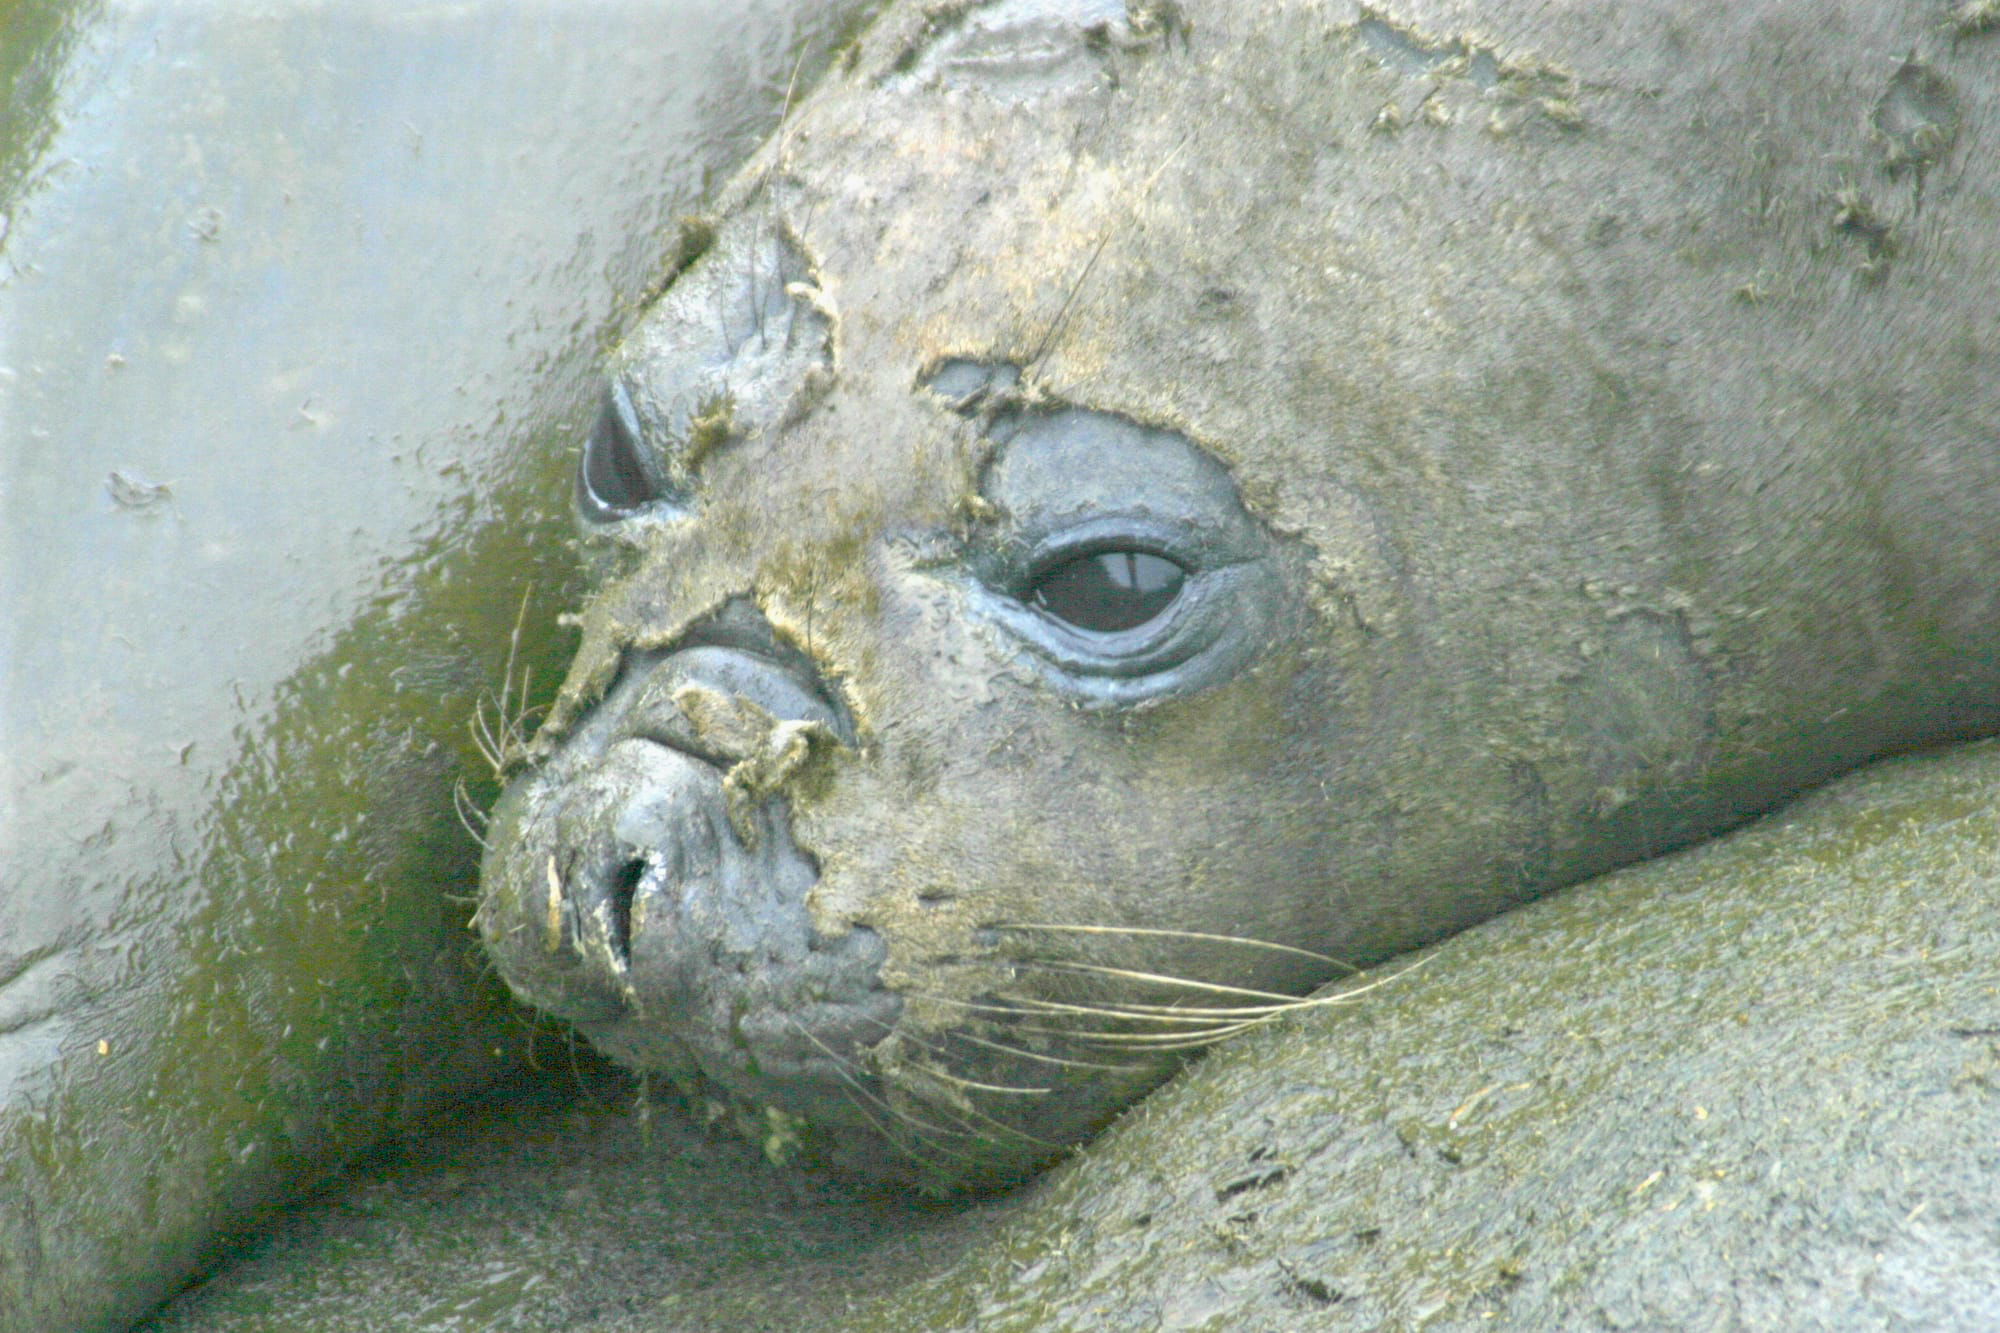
(611, 481)
(1108, 591)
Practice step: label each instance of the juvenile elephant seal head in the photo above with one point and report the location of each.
(1136, 511)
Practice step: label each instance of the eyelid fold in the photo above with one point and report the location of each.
(1212, 627)
(1194, 547)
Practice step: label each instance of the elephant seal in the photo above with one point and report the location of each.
(1142, 508)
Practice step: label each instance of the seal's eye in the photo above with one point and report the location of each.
(1108, 591)
(611, 482)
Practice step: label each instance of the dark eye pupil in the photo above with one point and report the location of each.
(612, 482)
(1109, 591)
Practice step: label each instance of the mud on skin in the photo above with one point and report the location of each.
(1054, 611)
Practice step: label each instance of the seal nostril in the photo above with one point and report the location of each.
(623, 885)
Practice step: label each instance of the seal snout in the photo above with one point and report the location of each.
(590, 868)
(645, 884)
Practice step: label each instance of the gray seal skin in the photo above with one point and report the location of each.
(1140, 509)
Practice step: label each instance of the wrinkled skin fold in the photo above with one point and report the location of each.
(1135, 512)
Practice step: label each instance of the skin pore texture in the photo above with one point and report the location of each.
(1131, 513)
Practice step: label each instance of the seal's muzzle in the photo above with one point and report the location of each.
(644, 883)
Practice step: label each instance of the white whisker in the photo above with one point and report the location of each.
(1158, 933)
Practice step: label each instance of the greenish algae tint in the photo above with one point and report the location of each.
(301, 315)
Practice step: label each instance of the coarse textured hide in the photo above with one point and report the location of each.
(1556, 433)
